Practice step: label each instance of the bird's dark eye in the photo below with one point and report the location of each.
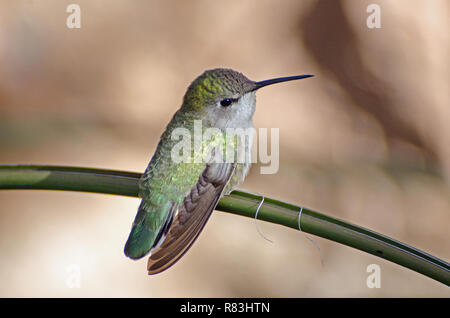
(225, 102)
(228, 101)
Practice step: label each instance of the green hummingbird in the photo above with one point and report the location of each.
(179, 197)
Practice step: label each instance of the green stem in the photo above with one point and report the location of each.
(238, 202)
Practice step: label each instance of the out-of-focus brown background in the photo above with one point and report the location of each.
(367, 140)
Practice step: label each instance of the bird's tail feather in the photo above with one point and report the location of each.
(142, 237)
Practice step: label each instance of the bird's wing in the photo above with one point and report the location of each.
(190, 217)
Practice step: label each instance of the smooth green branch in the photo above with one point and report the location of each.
(238, 202)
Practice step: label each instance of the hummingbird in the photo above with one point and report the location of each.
(179, 197)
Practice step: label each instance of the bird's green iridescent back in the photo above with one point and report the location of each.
(163, 183)
(166, 182)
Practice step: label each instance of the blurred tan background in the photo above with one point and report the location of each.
(367, 140)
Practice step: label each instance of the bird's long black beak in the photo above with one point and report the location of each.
(258, 85)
